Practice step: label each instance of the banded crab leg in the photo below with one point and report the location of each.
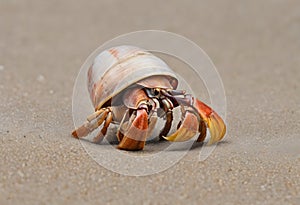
(197, 117)
(99, 137)
(123, 125)
(168, 107)
(93, 122)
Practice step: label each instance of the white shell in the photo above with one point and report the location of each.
(117, 68)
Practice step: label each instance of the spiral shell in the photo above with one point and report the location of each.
(119, 67)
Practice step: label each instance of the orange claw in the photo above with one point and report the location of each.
(187, 129)
(191, 124)
(215, 124)
(135, 136)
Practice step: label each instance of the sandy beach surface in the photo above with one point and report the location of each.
(254, 44)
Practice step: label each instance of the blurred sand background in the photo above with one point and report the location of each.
(254, 44)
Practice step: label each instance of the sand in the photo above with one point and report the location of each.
(254, 44)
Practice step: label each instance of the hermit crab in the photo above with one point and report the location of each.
(132, 88)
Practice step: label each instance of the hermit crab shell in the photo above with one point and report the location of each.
(115, 69)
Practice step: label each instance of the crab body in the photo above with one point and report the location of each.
(131, 87)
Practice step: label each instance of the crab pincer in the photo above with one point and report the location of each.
(197, 119)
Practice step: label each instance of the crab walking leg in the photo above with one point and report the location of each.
(88, 126)
(152, 122)
(168, 125)
(103, 131)
(168, 106)
(135, 136)
(122, 126)
(95, 115)
(202, 131)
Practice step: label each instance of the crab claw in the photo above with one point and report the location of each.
(187, 129)
(192, 123)
(214, 122)
(135, 136)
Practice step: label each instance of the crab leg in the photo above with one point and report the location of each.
(168, 106)
(202, 131)
(95, 115)
(103, 131)
(151, 123)
(168, 125)
(98, 117)
(122, 126)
